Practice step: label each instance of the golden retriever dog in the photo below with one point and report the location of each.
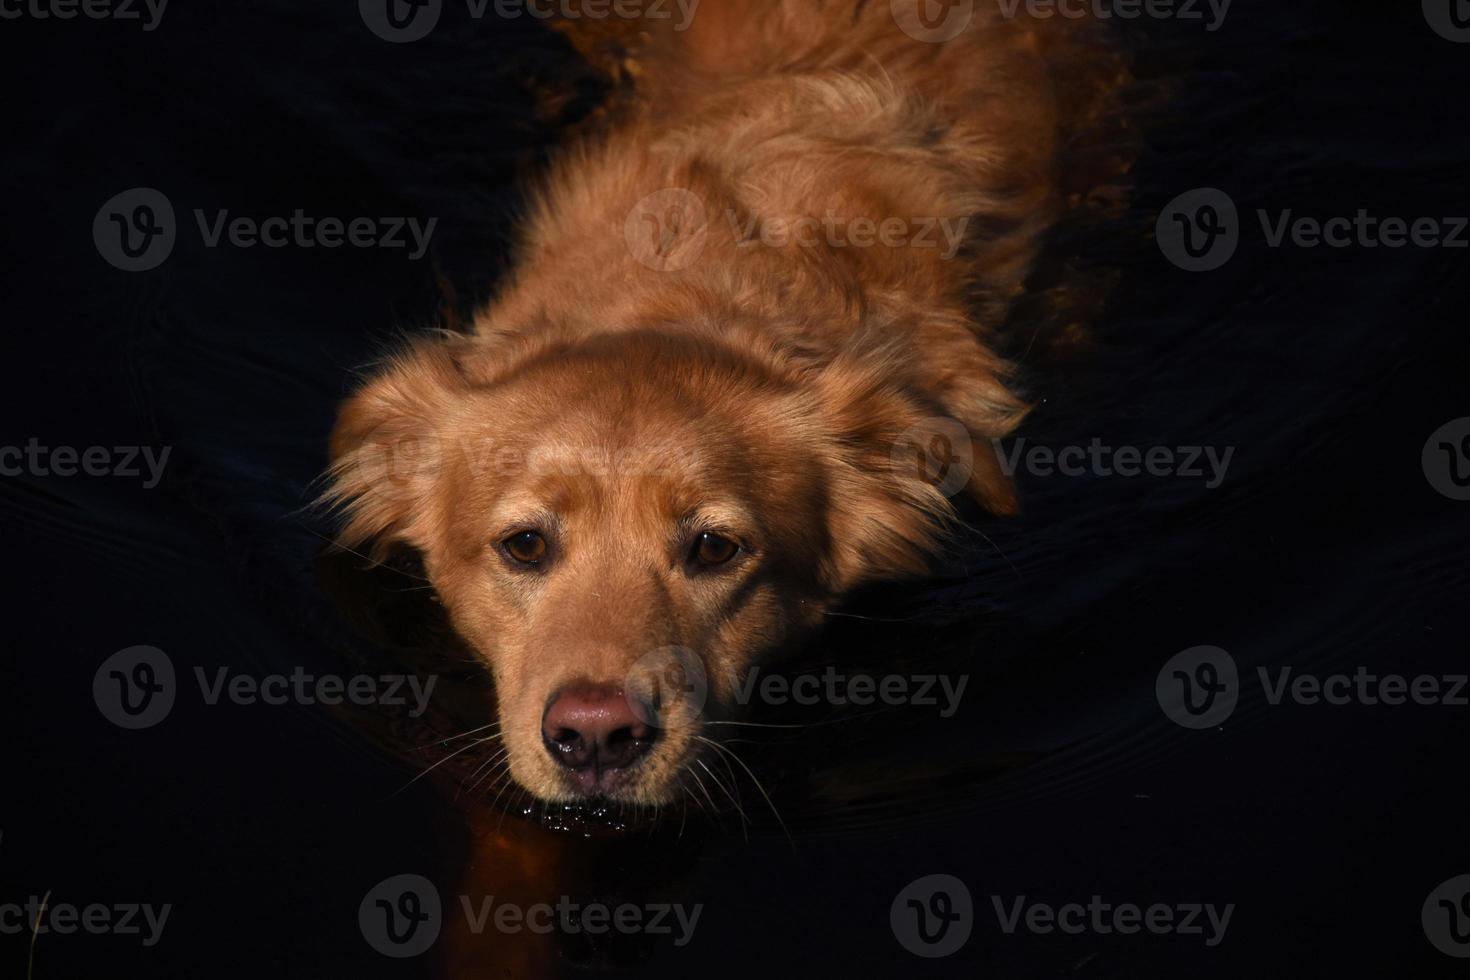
(745, 305)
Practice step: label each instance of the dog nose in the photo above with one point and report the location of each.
(592, 728)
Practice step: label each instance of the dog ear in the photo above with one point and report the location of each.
(977, 409)
(903, 453)
(955, 368)
(387, 448)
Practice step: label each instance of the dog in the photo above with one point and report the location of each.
(744, 306)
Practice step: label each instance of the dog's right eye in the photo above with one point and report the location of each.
(711, 549)
(527, 547)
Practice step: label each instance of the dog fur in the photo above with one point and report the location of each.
(662, 364)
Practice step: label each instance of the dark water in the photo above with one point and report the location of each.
(1324, 548)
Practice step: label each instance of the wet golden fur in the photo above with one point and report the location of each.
(654, 369)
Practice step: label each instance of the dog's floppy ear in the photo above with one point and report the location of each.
(971, 387)
(902, 454)
(387, 448)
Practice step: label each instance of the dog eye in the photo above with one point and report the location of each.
(527, 547)
(711, 549)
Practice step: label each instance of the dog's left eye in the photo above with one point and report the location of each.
(711, 549)
(527, 547)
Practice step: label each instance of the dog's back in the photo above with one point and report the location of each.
(841, 174)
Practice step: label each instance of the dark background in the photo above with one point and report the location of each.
(1324, 549)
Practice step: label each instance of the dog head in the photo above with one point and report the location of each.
(621, 524)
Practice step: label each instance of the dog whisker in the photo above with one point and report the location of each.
(684, 787)
(36, 931)
(503, 782)
(757, 724)
(442, 761)
(702, 789)
(741, 762)
(453, 738)
(739, 810)
(486, 768)
(372, 562)
(871, 619)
